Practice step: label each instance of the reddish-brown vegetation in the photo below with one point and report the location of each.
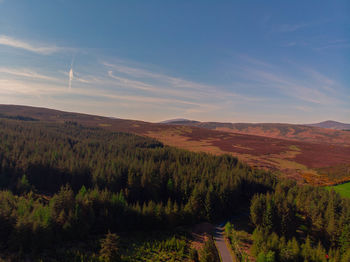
(284, 131)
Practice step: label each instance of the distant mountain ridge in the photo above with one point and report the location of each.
(332, 125)
(178, 121)
(298, 132)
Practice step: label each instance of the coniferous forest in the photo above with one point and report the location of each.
(65, 183)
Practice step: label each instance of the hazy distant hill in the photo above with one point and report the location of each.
(307, 133)
(332, 125)
(178, 121)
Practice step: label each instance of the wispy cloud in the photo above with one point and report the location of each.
(324, 82)
(338, 43)
(134, 84)
(17, 87)
(306, 109)
(254, 61)
(85, 79)
(283, 28)
(168, 80)
(155, 88)
(143, 79)
(21, 44)
(317, 44)
(309, 85)
(130, 87)
(160, 84)
(287, 28)
(307, 90)
(27, 73)
(133, 71)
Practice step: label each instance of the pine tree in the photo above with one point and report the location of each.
(261, 257)
(295, 249)
(23, 185)
(344, 240)
(270, 256)
(307, 249)
(257, 210)
(332, 230)
(268, 216)
(109, 251)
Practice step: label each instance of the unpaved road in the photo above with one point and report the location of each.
(221, 245)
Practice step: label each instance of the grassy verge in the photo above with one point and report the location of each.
(236, 239)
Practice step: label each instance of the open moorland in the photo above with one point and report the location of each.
(305, 133)
(307, 154)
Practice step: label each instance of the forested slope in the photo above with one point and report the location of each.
(65, 182)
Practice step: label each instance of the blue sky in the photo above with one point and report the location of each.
(233, 61)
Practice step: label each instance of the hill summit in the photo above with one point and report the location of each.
(332, 125)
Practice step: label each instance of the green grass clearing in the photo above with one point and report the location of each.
(342, 189)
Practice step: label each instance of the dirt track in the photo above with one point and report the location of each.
(221, 245)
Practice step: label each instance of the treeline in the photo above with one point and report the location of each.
(18, 117)
(64, 181)
(301, 223)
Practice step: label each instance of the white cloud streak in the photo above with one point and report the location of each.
(71, 76)
(17, 87)
(27, 73)
(169, 80)
(307, 90)
(290, 28)
(20, 44)
(171, 86)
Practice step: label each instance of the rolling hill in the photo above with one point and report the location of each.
(307, 154)
(332, 125)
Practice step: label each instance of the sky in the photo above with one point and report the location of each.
(227, 61)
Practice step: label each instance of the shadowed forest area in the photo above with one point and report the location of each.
(108, 196)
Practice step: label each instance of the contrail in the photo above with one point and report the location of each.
(71, 75)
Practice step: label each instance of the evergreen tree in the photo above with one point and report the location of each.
(344, 240)
(109, 251)
(23, 185)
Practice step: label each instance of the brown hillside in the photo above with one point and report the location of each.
(283, 131)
